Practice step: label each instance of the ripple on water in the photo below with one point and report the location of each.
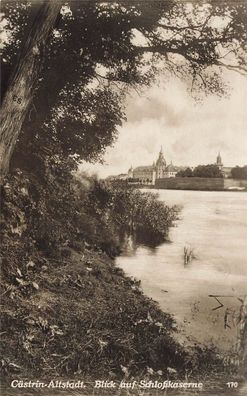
(214, 226)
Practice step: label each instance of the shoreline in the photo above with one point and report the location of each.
(142, 321)
(189, 189)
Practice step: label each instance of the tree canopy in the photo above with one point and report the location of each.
(210, 170)
(98, 50)
(188, 172)
(239, 172)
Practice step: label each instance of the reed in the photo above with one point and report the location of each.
(188, 255)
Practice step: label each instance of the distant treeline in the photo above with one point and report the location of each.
(210, 170)
(239, 172)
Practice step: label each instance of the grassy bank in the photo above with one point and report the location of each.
(85, 316)
(66, 307)
(82, 317)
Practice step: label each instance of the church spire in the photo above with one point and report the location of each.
(219, 160)
(161, 162)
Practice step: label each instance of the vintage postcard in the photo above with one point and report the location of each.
(123, 175)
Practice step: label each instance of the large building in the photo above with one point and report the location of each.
(148, 174)
(158, 170)
(144, 174)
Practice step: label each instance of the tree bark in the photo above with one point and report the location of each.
(24, 81)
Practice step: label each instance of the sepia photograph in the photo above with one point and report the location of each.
(123, 178)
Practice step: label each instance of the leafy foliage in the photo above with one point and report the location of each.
(185, 173)
(67, 211)
(142, 213)
(56, 243)
(239, 172)
(98, 50)
(210, 170)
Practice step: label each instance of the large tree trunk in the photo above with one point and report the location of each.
(24, 81)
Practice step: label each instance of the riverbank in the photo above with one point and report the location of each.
(66, 308)
(68, 311)
(82, 315)
(87, 320)
(197, 184)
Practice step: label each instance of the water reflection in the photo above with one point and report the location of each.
(131, 243)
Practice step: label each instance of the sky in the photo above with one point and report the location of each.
(190, 133)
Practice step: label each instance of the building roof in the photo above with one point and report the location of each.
(171, 168)
(144, 168)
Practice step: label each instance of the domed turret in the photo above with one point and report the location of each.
(161, 159)
(160, 165)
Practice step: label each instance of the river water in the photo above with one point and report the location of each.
(214, 226)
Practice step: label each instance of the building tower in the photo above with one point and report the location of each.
(160, 165)
(219, 162)
(130, 172)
